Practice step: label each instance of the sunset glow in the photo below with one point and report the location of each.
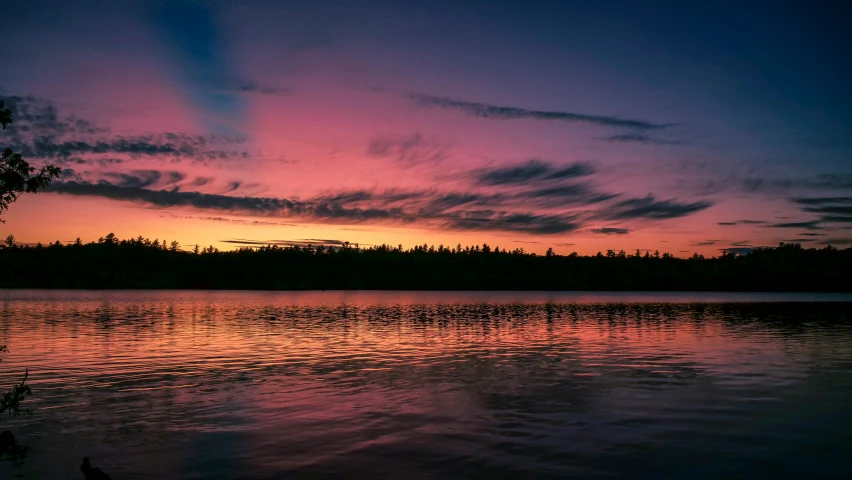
(529, 125)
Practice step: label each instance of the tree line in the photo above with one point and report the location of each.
(113, 263)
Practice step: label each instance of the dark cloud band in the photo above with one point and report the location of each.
(651, 208)
(485, 110)
(532, 170)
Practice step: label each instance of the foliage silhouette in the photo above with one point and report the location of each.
(11, 401)
(92, 473)
(16, 175)
(112, 263)
(16, 178)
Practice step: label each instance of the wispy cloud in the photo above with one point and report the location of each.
(253, 87)
(836, 219)
(826, 205)
(825, 181)
(829, 209)
(515, 174)
(564, 196)
(201, 181)
(550, 210)
(322, 209)
(742, 222)
(168, 144)
(640, 138)
(651, 208)
(809, 225)
(408, 149)
(532, 170)
(229, 220)
(234, 185)
(611, 231)
(511, 222)
(287, 243)
(447, 201)
(35, 114)
(39, 131)
(705, 183)
(485, 110)
(145, 178)
(819, 201)
(101, 162)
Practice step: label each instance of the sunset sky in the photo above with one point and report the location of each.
(581, 126)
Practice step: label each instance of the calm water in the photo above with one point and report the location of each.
(220, 385)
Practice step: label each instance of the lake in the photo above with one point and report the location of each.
(430, 385)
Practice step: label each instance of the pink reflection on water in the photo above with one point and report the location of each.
(301, 381)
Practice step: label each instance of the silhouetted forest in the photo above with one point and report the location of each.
(111, 263)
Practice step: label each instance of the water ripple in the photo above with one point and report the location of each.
(429, 385)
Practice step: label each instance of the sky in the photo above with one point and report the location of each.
(581, 126)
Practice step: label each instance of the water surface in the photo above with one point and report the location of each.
(430, 385)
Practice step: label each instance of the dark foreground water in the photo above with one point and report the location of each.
(404, 385)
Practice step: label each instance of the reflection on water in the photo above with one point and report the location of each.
(430, 385)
